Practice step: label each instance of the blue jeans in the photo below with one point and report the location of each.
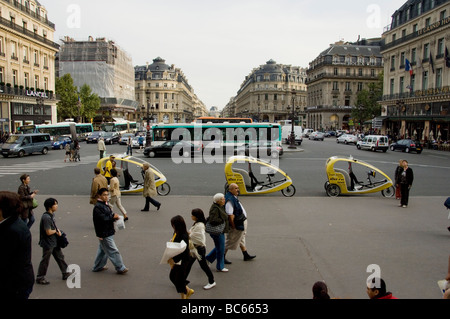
(218, 252)
(107, 249)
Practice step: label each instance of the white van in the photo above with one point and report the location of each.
(21, 144)
(374, 143)
(286, 133)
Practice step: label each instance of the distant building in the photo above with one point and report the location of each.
(214, 111)
(27, 65)
(416, 97)
(164, 92)
(335, 77)
(107, 69)
(268, 93)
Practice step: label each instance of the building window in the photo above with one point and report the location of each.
(26, 78)
(14, 50)
(391, 89)
(426, 51)
(402, 60)
(335, 86)
(413, 55)
(335, 72)
(36, 81)
(425, 80)
(360, 86)
(347, 86)
(439, 78)
(46, 84)
(402, 79)
(440, 48)
(2, 72)
(413, 83)
(15, 79)
(443, 15)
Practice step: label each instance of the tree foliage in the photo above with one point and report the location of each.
(367, 106)
(73, 103)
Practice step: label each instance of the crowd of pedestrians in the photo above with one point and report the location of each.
(226, 210)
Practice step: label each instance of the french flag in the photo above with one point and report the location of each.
(408, 67)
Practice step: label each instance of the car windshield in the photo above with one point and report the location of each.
(13, 139)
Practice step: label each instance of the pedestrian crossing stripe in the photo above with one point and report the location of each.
(44, 165)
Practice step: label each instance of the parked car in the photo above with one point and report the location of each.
(340, 132)
(135, 141)
(61, 142)
(21, 144)
(347, 138)
(316, 136)
(94, 137)
(307, 131)
(185, 149)
(373, 143)
(124, 138)
(111, 137)
(407, 145)
(330, 133)
(260, 149)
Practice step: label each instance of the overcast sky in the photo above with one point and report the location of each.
(218, 43)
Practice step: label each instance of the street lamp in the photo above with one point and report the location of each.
(148, 139)
(292, 139)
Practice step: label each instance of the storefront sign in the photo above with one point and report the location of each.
(432, 91)
(434, 26)
(37, 94)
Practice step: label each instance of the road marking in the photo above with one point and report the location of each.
(44, 165)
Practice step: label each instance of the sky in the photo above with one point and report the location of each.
(218, 43)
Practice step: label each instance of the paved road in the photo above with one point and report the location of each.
(297, 241)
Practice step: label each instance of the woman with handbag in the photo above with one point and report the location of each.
(218, 216)
(197, 237)
(28, 200)
(178, 263)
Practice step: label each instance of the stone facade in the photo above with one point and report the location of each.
(27, 65)
(334, 79)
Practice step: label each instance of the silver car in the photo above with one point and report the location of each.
(347, 138)
(316, 136)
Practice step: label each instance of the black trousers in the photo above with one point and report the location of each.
(59, 258)
(178, 277)
(203, 264)
(404, 189)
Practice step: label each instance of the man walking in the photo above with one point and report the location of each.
(101, 147)
(104, 229)
(98, 182)
(149, 188)
(406, 180)
(238, 223)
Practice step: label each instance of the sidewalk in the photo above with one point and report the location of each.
(297, 241)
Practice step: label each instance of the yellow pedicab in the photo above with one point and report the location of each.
(130, 174)
(241, 171)
(343, 180)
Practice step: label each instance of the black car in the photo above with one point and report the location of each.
(407, 145)
(111, 137)
(183, 149)
(94, 137)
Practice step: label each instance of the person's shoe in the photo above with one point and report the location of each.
(66, 275)
(189, 293)
(404, 206)
(227, 262)
(247, 256)
(42, 281)
(223, 270)
(209, 286)
(121, 272)
(157, 208)
(125, 219)
(144, 210)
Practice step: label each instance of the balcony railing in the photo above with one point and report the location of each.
(28, 33)
(418, 93)
(30, 13)
(31, 93)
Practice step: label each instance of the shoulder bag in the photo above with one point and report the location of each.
(214, 230)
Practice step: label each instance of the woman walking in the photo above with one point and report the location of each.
(114, 191)
(27, 196)
(218, 216)
(178, 263)
(198, 238)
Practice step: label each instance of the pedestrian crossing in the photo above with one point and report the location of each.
(21, 168)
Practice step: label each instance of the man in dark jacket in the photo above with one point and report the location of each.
(17, 279)
(104, 229)
(406, 180)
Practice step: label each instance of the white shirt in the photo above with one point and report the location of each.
(229, 208)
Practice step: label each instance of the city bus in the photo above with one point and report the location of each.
(59, 129)
(211, 119)
(120, 127)
(224, 135)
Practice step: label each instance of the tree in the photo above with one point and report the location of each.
(73, 103)
(90, 102)
(68, 97)
(367, 106)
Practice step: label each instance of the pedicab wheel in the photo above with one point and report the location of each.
(163, 189)
(326, 185)
(333, 190)
(288, 191)
(388, 192)
(226, 187)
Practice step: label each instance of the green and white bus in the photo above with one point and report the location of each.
(82, 130)
(119, 127)
(227, 134)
